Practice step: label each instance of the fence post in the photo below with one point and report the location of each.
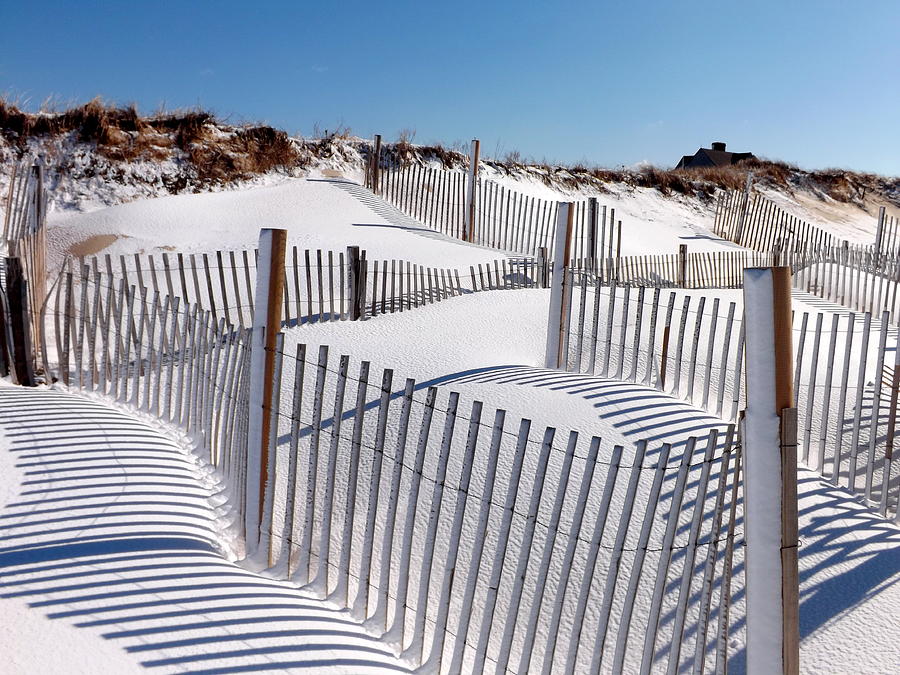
(5, 347)
(38, 204)
(879, 230)
(376, 164)
(591, 245)
(770, 492)
(560, 293)
(266, 326)
(471, 182)
(879, 234)
(355, 296)
(17, 294)
(543, 267)
(664, 358)
(682, 266)
(745, 207)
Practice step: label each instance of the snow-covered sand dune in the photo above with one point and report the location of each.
(113, 559)
(316, 213)
(487, 346)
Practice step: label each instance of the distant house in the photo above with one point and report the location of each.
(714, 156)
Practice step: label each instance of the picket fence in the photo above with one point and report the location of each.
(757, 223)
(847, 371)
(504, 218)
(858, 278)
(887, 238)
(434, 520)
(24, 280)
(862, 278)
(698, 270)
(317, 283)
(160, 356)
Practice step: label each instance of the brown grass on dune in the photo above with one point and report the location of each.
(403, 153)
(217, 152)
(838, 184)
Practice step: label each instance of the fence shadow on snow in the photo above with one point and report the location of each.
(138, 559)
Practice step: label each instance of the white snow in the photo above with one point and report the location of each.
(489, 346)
(316, 214)
(112, 560)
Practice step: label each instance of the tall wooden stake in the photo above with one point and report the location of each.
(591, 245)
(682, 265)
(355, 296)
(543, 267)
(745, 207)
(879, 235)
(5, 350)
(471, 184)
(376, 164)
(266, 326)
(560, 293)
(773, 627)
(17, 294)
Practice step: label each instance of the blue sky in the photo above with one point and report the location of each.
(606, 83)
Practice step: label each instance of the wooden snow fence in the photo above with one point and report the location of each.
(160, 356)
(464, 538)
(692, 348)
(887, 240)
(471, 541)
(504, 218)
(317, 283)
(701, 269)
(864, 278)
(858, 278)
(24, 238)
(757, 223)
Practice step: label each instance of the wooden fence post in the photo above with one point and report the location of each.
(560, 293)
(471, 188)
(776, 252)
(745, 207)
(5, 348)
(266, 326)
(664, 358)
(17, 294)
(770, 455)
(682, 266)
(375, 171)
(879, 230)
(543, 267)
(591, 245)
(355, 295)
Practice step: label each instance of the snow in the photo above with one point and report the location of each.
(317, 214)
(113, 560)
(652, 223)
(490, 347)
(487, 346)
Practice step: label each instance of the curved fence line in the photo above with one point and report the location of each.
(24, 271)
(502, 218)
(462, 538)
(316, 282)
(860, 277)
(846, 371)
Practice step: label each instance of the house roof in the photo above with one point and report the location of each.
(709, 157)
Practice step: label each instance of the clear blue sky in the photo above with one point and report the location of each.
(608, 83)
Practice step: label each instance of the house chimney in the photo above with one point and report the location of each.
(718, 145)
